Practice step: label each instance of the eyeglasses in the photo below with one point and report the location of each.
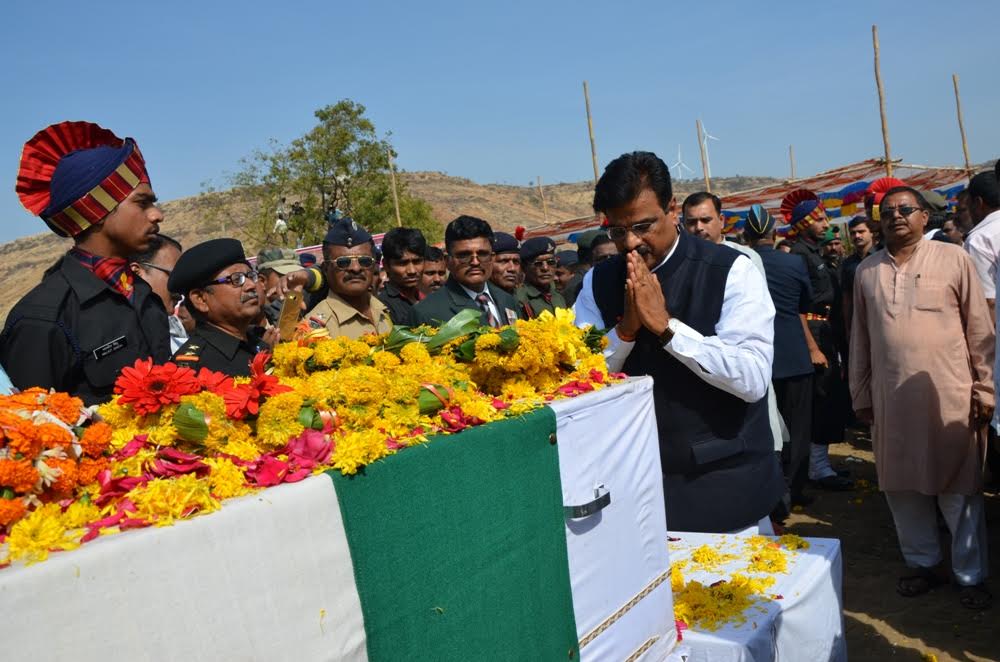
(550, 263)
(149, 265)
(344, 261)
(904, 211)
(619, 232)
(237, 279)
(465, 257)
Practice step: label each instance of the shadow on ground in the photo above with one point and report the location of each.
(879, 623)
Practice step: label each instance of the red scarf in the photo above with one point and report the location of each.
(112, 270)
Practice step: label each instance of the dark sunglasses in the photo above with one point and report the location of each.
(344, 261)
(904, 211)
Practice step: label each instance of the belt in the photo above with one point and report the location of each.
(814, 317)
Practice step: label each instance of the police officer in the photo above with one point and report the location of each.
(538, 260)
(805, 213)
(90, 316)
(220, 291)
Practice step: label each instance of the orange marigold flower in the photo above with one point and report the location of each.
(52, 435)
(87, 472)
(11, 510)
(66, 482)
(64, 407)
(95, 439)
(20, 435)
(18, 475)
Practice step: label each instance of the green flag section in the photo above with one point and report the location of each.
(459, 547)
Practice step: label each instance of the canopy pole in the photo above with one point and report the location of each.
(791, 159)
(590, 130)
(395, 195)
(545, 206)
(961, 125)
(881, 104)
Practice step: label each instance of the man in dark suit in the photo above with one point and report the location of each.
(467, 241)
(792, 371)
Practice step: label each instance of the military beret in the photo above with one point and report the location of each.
(346, 232)
(759, 222)
(536, 246)
(567, 258)
(282, 260)
(829, 236)
(199, 264)
(504, 243)
(585, 239)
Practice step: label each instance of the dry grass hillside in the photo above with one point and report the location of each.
(195, 219)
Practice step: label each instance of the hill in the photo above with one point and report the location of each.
(209, 215)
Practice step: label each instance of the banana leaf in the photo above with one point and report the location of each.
(189, 421)
(462, 324)
(592, 338)
(509, 340)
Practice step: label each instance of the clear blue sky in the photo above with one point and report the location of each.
(492, 90)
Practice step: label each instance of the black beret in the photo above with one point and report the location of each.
(199, 264)
(536, 246)
(567, 258)
(346, 232)
(504, 243)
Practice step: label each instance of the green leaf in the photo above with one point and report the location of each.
(189, 421)
(431, 402)
(462, 324)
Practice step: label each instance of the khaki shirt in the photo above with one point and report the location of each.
(342, 319)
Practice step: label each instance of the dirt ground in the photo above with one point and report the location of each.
(879, 623)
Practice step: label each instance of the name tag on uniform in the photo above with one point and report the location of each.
(109, 348)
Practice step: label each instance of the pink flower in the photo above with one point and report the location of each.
(172, 462)
(310, 448)
(131, 448)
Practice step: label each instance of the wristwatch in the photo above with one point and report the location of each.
(668, 333)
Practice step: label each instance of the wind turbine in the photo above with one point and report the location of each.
(706, 136)
(680, 165)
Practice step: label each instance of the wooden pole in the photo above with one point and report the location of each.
(590, 130)
(704, 164)
(961, 125)
(395, 195)
(791, 159)
(545, 206)
(881, 104)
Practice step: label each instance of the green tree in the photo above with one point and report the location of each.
(341, 163)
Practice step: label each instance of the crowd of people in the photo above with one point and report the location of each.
(765, 348)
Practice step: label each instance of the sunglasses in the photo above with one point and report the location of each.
(538, 264)
(344, 261)
(904, 211)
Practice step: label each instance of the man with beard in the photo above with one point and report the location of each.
(506, 272)
(468, 242)
(403, 258)
(221, 291)
(538, 260)
(349, 309)
(806, 215)
(696, 317)
(89, 317)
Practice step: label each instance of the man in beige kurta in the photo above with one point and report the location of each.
(922, 347)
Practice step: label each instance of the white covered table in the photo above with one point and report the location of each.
(804, 624)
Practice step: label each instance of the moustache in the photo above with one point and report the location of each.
(252, 296)
(642, 250)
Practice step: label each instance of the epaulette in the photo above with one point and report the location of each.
(188, 353)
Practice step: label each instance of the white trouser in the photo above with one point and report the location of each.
(916, 527)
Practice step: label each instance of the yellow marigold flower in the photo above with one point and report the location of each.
(289, 358)
(242, 447)
(385, 361)
(34, 536)
(116, 415)
(415, 353)
(135, 465)
(793, 542)
(709, 558)
(279, 419)
(226, 480)
(358, 448)
(164, 500)
(79, 514)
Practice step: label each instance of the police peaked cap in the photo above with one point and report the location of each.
(346, 232)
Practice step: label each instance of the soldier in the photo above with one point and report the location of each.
(89, 317)
(506, 272)
(349, 309)
(538, 259)
(220, 291)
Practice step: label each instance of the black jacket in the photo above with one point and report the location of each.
(400, 308)
(73, 333)
(445, 303)
(212, 348)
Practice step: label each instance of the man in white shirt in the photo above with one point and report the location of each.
(697, 318)
(983, 241)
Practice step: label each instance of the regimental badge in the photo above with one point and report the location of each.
(511, 316)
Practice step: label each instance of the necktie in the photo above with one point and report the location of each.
(547, 296)
(484, 303)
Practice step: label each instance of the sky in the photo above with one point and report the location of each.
(492, 91)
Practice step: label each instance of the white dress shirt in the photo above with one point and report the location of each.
(492, 303)
(736, 360)
(983, 245)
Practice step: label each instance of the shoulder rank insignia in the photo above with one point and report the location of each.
(189, 353)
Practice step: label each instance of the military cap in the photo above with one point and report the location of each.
(346, 232)
(504, 243)
(832, 234)
(934, 200)
(536, 246)
(199, 264)
(759, 222)
(282, 260)
(567, 258)
(585, 239)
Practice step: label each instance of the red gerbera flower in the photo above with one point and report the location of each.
(216, 382)
(148, 388)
